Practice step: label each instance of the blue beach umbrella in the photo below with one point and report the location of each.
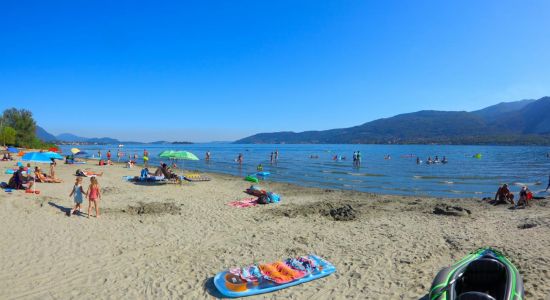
(12, 150)
(37, 157)
(53, 155)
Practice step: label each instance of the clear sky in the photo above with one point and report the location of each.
(222, 70)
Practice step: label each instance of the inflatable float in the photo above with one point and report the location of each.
(266, 278)
(263, 174)
(485, 274)
(252, 178)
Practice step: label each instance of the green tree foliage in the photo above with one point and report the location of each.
(22, 121)
(7, 135)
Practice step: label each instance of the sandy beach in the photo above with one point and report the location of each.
(162, 242)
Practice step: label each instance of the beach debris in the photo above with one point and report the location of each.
(446, 210)
(343, 213)
(153, 208)
(527, 225)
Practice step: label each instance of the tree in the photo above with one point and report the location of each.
(7, 135)
(22, 121)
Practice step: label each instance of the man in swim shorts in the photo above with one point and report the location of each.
(503, 195)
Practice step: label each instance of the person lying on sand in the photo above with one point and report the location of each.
(503, 195)
(41, 177)
(88, 173)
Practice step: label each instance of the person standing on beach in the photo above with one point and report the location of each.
(109, 155)
(145, 158)
(94, 195)
(135, 157)
(99, 154)
(77, 193)
(52, 168)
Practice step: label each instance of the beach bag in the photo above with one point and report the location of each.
(273, 198)
(263, 199)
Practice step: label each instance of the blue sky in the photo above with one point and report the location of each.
(222, 70)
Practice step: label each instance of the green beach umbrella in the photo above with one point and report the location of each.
(184, 155)
(167, 153)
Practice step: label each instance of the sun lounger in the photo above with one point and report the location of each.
(196, 177)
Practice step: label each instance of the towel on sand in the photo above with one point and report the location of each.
(246, 202)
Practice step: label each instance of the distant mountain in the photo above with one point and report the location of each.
(181, 143)
(45, 136)
(495, 111)
(68, 137)
(160, 142)
(520, 122)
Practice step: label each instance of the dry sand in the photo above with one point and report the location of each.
(168, 241)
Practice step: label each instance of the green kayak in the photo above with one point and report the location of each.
(485, 274)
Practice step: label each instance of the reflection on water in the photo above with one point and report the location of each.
(463, 176)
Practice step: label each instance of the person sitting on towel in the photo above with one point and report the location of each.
(503, 195)
(19, 181)
(164, 170)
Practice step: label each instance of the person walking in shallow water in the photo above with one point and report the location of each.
(240, 159)
(548, 186)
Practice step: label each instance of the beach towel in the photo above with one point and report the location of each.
(246, 202)
(249, 274)
(280, 273)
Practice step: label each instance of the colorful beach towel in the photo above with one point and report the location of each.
(246, 202)
(280, 273)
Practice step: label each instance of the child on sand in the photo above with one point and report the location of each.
(77, 193)
(94, 195)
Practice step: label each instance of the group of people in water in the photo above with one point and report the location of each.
(431, 161)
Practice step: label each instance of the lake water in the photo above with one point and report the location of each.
(463, 176)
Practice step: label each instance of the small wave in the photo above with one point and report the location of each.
(447, 182)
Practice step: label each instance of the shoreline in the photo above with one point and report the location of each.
(169, 241)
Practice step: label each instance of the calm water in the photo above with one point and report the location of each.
(463, 176)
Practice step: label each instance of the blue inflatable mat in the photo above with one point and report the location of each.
(268, 286)
(263, 173)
